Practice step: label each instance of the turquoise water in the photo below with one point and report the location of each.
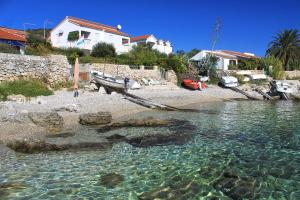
(258, 142)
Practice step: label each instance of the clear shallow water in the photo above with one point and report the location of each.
(258, 141)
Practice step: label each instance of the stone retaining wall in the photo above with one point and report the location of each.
(53, 68)
(136, 74)
(293, 74)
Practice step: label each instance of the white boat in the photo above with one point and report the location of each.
(229, 81)
(283, 87)
(110, 82)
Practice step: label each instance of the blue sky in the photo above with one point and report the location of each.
(247, 26)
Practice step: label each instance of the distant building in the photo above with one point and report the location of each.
(160, 45)
(90, 33)
(12, 37)
(226, 57)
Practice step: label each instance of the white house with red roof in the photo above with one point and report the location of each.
(90, 33)
(158, 44)
(226, 57)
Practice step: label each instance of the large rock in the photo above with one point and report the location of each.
(52, 121)
(95, 118)
(51, 144)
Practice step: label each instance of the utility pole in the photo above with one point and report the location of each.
(45, 24)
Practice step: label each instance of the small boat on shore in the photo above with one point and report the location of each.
(109, 83)
(229, 81)
(191, 84)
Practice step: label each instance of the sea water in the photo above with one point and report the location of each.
(258, 141)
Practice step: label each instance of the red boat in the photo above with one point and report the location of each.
(193, 84)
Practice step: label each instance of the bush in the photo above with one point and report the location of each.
(102, 50)
(58, 86)
(28, 88)
(276, 71)
(73, 36)
(250, 64)
(35, 40)
(6, 48)
(38, 50)
(176, 63)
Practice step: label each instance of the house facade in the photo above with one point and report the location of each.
(90, 33)
(157, 44)
(226, 57)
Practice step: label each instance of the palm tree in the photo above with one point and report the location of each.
(285, 46)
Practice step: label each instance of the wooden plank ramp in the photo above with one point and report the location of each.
(265, 95)
(153, 105)
(244, 93)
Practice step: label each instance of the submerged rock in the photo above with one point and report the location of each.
(160, 139)
(111, 180)
(178, 132)
(95, 118)
(7, 188)
(178, 190)
(148, 122)
(35, 146)
(50, 120)
(236, 187)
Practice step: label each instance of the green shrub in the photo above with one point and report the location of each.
(28, 88)
(232, 67)
(38, 50)
(35, 40)
(273, 67)
(250, 64)
(6, 48)
(73, 36)
(102, 50)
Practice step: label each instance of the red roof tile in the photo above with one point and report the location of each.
(138, 38)
(12, 34)
(239, 54)
(95, 25)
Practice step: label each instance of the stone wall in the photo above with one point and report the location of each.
(53, 68)
(293, 74)
(136, 74)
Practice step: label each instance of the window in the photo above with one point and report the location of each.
(125, 41)
(85, 34)
(60, 33)
(232, 62)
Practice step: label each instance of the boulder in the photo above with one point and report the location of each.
(52, 121)
(95, 118)
(56, 144)
(111, 180)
